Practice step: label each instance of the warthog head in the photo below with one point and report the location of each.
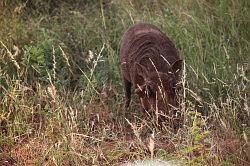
(159, 89)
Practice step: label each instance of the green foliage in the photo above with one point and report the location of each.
(35, 62)
(43, 61)
(199, 149)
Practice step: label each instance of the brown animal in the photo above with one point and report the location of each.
(150, 63)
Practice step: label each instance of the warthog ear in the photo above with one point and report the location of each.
(141, 70)
(176, 67)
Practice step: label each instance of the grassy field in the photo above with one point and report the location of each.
(61, 93)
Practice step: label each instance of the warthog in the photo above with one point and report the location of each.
(150, 63)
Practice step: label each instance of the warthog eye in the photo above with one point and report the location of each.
(144, 91)
(173, 86)
(148, 91)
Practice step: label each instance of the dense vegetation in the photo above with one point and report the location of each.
(61, 95)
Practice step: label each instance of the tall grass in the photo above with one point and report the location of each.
(61, 96)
